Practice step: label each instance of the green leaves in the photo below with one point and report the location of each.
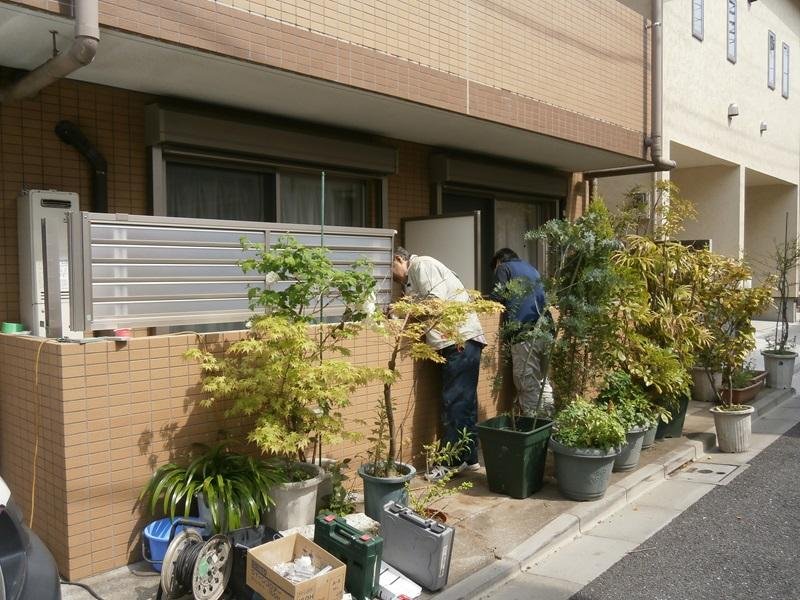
(233, 485)
(628, 400)
(301, 281)
(582, 424)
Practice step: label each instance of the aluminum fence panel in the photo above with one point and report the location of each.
(149, 271)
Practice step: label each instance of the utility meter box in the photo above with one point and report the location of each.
(32, 207)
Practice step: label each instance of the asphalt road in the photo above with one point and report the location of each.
(740, 541)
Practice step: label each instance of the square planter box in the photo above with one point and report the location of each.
(514, 459)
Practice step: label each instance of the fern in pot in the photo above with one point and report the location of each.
(586, 440)
(232, 490)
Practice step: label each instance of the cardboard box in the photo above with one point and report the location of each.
(264, 580)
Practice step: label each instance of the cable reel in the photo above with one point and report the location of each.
(192, 566)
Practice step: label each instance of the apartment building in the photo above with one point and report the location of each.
(240, 109)
(731, 122)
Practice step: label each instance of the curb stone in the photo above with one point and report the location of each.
(576, 521)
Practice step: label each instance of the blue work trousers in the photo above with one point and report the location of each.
(460, 395)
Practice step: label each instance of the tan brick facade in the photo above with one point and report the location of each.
(104, 415)
(574, 69)
(31, 156)
(107, 414)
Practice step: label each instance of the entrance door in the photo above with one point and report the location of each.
(451, 239)
(454, 201)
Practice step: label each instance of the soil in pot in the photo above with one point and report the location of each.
(378, 491)
(437, 515)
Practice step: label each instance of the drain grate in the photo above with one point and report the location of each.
(708, 472)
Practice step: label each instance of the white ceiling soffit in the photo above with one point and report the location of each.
(688, 157)
(753, 178)
(140, 64)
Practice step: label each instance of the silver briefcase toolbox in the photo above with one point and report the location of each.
(417, 547)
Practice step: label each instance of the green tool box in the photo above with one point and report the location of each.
(361, 552)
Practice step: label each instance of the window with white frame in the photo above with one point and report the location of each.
(771, 43)
(785, 77)
(697, 19)
(731, 21)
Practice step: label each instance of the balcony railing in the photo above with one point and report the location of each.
(148, 271)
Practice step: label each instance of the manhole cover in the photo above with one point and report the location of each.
(708, 472)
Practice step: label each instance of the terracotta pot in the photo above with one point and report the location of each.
(745, 394)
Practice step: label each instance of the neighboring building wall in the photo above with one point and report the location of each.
(700, 83)
(513, 63)
(720, 206)
(613, 189)
(766, 210)
(108, 414)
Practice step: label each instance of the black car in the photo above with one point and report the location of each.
(27, 569)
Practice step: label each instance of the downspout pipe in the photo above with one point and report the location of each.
(658, 162)
(80, 53)
(69, 133)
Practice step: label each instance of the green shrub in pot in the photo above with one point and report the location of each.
(235, 486)
(586, 439)
(290, 373)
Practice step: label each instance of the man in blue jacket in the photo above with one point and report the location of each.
(518, 286)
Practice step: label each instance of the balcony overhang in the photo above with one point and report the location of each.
(151, 66)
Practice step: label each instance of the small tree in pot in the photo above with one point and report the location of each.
(634, 411)
(293, 378)
(731, 307)
(384, 473)
(586, 440)
(779, 356)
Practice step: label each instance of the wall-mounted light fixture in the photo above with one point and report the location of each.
(762, 128)
(733, 110)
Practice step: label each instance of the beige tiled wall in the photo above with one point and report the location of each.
(110, 413)
(583, 64)
(31, 156)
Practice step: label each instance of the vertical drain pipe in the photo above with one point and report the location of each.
(79, 54)
(656, 105)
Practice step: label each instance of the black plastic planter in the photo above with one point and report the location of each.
(674, 428)
(514, 458)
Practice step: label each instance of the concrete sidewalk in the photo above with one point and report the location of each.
(505, 521)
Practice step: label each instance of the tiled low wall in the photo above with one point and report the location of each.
(106, 414)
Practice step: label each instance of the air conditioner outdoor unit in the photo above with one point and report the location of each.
(32, 207)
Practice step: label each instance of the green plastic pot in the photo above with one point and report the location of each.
(514, 459)
(674, 427)
(378, 491)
